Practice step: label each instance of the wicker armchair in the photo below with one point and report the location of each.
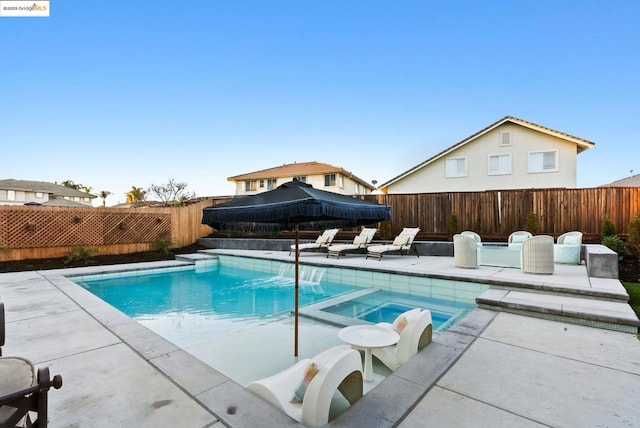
(537, 255)
(567, 248)
(465, 251)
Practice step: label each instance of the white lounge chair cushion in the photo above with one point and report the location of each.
(401, 240)
(322, 239)
(360, 240)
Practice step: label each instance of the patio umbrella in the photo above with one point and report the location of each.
(293, 204)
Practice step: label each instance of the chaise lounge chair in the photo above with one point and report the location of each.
(416, 332)
(305, 390)
(23, 394)
(359, 242)
(403, 243)
(323, 241)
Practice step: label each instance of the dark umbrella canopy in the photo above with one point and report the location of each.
(292, 204)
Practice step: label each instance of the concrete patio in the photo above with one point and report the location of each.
(497, 367)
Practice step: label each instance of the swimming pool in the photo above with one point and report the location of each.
(219, 292)
(239, 310)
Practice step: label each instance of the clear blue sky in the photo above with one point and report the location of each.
(121, 94)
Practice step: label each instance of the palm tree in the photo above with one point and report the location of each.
(136, 194)
(103, 194)
(70, 184)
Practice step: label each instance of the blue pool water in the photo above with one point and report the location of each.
(221, 292)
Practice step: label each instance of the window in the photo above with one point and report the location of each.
(271, 183)
(11, 195)
(357, 190)
(262, 184)
(499, 164)
(505, 138)
(250, 186)
(543, 161)
(329, 180)
(341, 181)
(456, 167)
(39, 195)
(302, 178)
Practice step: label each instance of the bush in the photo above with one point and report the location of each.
(385, 229)
(452, 226)
(608, 228)
(633, 237)
(163, 244)
(533, 223)
(616, 244)
(78, 254)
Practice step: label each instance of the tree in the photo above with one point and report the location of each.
(103, 194)
(173, 192)
(70, 184)
(136, 194)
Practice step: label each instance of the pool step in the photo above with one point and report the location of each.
(196, 257)
(608, 315)
(598, 288)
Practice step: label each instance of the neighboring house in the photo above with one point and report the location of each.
(319, 175)
(508, 154)
(632, 181)
(20, 192)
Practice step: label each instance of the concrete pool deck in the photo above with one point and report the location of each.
(492, 369)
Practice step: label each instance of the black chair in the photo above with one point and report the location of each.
(23, 395)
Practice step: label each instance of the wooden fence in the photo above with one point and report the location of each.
(31, 232)
(495, 214)
(46, 232)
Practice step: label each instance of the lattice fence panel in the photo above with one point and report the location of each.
(4, 242)
(128, 228)
(52, 228)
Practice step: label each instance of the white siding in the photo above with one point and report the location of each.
(431, 178)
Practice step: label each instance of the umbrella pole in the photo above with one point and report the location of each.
(295, 328)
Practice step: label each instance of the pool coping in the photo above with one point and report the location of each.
(534, 283)
(230, 402)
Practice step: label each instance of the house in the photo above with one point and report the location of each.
(20, 192)
(319, 175)
(631, 181)
(508, 154)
